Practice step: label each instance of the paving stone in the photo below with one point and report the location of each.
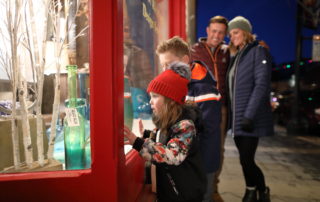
(290, 165)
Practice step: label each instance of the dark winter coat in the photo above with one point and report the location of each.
(202, 91)
(218, 60)
(251, 92)
(180, 180)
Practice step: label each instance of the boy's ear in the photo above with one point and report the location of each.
(185, 59)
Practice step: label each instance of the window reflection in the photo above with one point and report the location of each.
(144, 24)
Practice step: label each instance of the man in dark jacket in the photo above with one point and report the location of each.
(215, 54)
(203, 92)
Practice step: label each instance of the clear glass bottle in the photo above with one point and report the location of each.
(74, 128)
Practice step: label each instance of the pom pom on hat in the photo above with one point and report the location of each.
(170, 84)
(240, 23)
(181, 68)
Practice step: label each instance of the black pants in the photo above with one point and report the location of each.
(253, 175)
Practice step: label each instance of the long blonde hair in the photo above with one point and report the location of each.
(248, 38)
(168, 116)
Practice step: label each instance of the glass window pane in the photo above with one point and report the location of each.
(145, 23)
(44, 106)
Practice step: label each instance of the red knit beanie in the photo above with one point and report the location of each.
(171, 85)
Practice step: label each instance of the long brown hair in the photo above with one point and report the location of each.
(168, 116)
(248, 38)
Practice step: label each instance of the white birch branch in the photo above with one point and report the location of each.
(12, 27)
(22, 91)
(55, 11)
(38, 65)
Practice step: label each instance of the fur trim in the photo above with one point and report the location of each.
(181, 68)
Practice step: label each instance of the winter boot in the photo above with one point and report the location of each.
(264, 196)
(250, 196)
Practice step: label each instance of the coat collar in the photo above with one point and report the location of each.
(249, 46)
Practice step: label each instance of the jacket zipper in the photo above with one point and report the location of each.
(233, 102)
(234, 90)
(173, 184)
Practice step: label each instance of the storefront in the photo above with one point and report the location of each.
(122, 35)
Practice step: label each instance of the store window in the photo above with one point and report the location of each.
(145, 24)
(44, 86)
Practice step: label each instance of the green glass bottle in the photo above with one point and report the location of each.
(74, 127)
(128, 112)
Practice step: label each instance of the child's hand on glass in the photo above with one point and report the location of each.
(131, 137)
(141, 128)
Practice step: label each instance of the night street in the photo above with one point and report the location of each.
(290, 164)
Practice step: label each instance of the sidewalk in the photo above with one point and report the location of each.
(291, 165)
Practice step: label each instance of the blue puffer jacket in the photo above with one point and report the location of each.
(251, 92)
(202, 91)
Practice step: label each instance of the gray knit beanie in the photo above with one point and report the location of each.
(241, 23)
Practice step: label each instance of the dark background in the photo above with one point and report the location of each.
(273, 21)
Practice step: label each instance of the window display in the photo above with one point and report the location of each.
(44, 112)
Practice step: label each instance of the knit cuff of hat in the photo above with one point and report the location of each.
(167, 91)
(240, 23)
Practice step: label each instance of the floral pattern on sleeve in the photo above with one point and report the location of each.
(177, 147)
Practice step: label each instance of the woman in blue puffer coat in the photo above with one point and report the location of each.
(248, 82)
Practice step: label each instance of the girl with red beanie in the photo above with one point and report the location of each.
(173, 146)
